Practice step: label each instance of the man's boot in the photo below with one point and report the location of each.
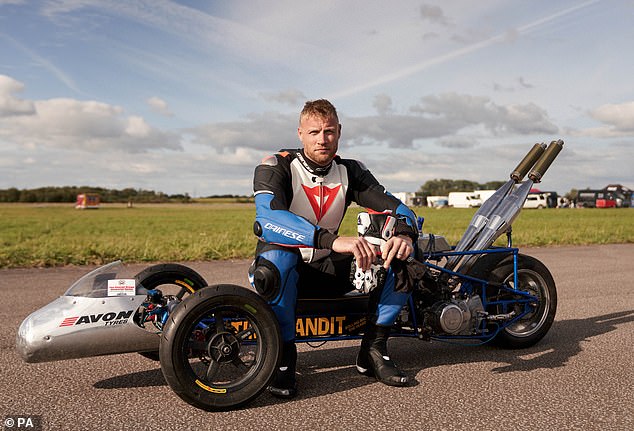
(284, 384)
(373, 359)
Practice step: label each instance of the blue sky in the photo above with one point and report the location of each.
(188, 96)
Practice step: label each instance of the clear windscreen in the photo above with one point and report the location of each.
(95, 283)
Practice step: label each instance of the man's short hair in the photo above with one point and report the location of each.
(320, 108)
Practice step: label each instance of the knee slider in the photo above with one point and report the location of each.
(265, 278)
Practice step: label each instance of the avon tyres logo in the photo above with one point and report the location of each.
(109, 319)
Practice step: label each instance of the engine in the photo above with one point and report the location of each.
(456, 316)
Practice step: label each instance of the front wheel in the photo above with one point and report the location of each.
(220, 347)
(534, 318)
(172, 279)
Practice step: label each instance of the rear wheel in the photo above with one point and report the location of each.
(172, 279)
(220, 347)
(538, 315)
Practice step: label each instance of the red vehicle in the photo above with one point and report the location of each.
(606, 200)
(87, 201)
(596, 199)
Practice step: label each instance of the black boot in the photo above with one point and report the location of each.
(373, 359)
(284, 384)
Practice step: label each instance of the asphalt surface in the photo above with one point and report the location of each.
(579, 377)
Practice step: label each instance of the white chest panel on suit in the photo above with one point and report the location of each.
(320, 200)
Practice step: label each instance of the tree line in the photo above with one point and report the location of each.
(435, 187)
(69, 194)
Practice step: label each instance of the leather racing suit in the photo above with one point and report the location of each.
(299, 208)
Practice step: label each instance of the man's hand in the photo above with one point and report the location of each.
(364, 252)
(399, 247)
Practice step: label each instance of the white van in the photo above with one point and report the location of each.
(437, 201)
(484, 194)
(536, 201)
(464, 200)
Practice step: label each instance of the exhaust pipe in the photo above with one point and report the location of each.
(509, 206)
(545, 161)
(482, 216)
(527, 162)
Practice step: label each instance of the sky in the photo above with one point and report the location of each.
(189, 96)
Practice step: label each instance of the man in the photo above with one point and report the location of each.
(301, 197)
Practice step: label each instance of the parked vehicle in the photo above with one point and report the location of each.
(596, 199)
(536, 200)
(464, 200)
(606, 200)
(484, 194)
(622, 194)
(437, 201)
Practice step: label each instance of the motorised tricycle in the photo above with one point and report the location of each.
(219, 345)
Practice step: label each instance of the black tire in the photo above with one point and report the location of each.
(536, 279)
(184, 278)
(180, 278)
(220, 364)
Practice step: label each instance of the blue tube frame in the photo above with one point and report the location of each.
(467, 287)
(525, 299)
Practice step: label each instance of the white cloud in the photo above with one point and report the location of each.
(446, 115)
(160, 106)
(268, 132)
(289, 96)
(619, 117)
(434, 14)
(9, 104)
(137, 127)
(74, 124)
(382, 104)
(458, 142)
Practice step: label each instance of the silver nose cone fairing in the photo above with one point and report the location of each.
(96, 316)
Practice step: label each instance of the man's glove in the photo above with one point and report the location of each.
(367, 281)
(376, 228)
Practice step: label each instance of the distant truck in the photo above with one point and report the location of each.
(623, 195)
(87, 201)
(596, 199)
(464, 200)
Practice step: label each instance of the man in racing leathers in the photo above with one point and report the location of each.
(301, 197)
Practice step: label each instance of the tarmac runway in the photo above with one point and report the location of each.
(579, 377)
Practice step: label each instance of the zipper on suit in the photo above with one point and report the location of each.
(320, 182)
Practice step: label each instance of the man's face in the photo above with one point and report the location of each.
(320, 138)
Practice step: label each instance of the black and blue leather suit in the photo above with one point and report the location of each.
(299, 208)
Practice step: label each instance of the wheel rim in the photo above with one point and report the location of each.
(222, 350)
(533, 283)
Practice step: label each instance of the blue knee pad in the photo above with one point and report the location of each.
(283, 304)
(390, 302)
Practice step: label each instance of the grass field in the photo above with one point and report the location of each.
(53, 235)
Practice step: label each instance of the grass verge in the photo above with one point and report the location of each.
(55, 235)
